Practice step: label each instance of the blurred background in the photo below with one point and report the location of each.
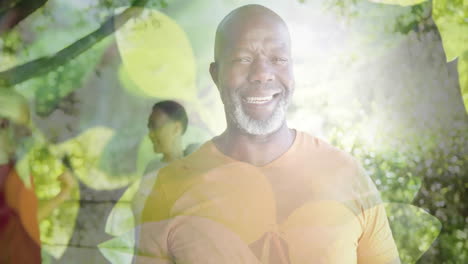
(386, 80)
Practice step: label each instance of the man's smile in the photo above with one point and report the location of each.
(259, 100)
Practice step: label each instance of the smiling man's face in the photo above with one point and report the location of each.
(253, 71)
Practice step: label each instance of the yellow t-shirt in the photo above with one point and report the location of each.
(313, 204)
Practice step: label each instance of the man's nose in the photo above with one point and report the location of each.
(261, 72)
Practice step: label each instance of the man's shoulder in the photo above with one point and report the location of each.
(320, 149)
(196, 163)
(340, 169)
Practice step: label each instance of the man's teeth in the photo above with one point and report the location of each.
(258, 100)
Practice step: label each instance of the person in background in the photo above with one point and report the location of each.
(167, 123)
(20, 211)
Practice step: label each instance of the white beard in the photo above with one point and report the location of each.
(258, 127)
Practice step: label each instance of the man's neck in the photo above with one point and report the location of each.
(170, 157)
(175, 154)
(253, 149)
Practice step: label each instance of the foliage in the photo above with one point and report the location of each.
(45, 64)
(86, 156)
(57, 229)
(451, 17)
(414, 230)
(158, 57)
(435, 175)
(433, 179)
(119, 250)
(409, 15)
(399, 2)
(463, 77)
(56, 85)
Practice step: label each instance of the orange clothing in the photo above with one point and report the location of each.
(19, 228)
(313, 204)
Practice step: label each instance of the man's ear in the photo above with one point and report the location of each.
(214, 72)
(177, 128)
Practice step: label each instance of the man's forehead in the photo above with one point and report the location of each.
(253, 36)
(255, 26)
(157, 119)
(252, 43)
(251, 14)
(248, 24)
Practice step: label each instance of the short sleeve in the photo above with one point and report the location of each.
(376, 244)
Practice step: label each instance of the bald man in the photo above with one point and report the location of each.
(262, 192)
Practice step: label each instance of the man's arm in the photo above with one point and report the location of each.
(376, 244)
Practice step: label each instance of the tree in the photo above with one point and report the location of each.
(43, 65)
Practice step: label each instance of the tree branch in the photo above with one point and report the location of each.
(45, 64)
(14, 11)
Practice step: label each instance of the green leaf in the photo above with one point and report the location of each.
(414, 230)
(121, 217)
(56, 229)
(126, 214)
(158, 57)
(85, 153)
(451, 18)
(87, 156)
(399, 2)
(120, 249)
(463, 77)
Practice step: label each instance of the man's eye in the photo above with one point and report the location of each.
(243, 60)
(280, 60)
